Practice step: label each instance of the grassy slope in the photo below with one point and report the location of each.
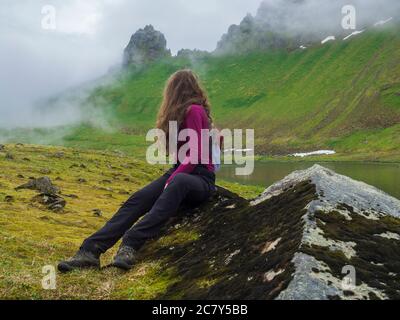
(342, 95)
(32, 237)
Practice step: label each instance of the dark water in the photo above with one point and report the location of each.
(381, 175)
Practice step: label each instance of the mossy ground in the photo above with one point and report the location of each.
(32, 237)
(227, 259)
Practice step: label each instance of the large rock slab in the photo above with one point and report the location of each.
(313, 235)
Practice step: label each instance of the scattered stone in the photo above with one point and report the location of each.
(59, 154)
(2, 147)
(106, 181)
(26, 159)
(45, 171)
(9, 156)
(19, 145)
(72, 196)
(53, 202)
(82, 180)
(20, 176)
(97, 212)
(43, 185)
(9, 199)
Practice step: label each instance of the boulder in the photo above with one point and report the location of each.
(43, 185)
(52, 202)
(145, 46)
(314, 235)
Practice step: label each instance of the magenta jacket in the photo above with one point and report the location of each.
(196, 119)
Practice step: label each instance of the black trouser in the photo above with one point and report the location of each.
(157, 204)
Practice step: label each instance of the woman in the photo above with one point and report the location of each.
(186, 103)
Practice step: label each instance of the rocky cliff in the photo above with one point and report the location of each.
(146, 45)
(313, 235)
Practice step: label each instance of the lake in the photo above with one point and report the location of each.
(385, 176)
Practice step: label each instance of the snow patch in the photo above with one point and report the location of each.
(314, 153)
(330, 38)
(238, 150)
(382, 22)
(353, 34)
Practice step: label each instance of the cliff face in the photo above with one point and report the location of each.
(146, 45)
(313, 235)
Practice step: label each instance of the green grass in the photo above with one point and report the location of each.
(32, 237)
(335, 95)
(295, 101)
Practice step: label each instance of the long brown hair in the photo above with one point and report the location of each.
(182, 90)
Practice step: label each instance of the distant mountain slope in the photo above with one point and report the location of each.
(343, 94)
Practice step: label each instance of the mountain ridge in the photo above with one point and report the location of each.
(319, 98)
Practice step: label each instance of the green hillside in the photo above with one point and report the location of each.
(343, 95)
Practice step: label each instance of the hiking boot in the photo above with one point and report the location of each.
(125, 258)
(81, 260)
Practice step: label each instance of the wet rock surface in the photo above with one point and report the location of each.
(298, 240)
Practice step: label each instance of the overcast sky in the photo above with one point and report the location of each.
(89, 39)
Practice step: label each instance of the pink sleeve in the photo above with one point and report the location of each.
(194, 120)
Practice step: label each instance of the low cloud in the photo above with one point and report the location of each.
(89, 40)
(91, 35)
